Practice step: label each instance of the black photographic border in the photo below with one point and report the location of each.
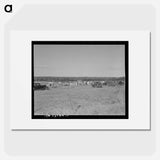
(125, 43)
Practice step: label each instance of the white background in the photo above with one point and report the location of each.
(139, 84)
(87, 145)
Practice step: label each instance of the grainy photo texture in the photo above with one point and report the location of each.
(79, 79)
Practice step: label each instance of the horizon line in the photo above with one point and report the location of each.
(84, 76)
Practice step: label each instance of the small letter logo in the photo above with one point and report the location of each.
(8, 8)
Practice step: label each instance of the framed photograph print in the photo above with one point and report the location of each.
(80, 80)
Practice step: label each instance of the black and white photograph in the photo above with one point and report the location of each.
(80, 79)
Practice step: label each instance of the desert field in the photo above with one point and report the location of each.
(80, 100)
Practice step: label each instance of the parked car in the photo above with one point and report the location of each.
(38, 86)
(121, 83)
(97, 84)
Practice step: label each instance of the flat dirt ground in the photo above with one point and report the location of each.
(80, 100)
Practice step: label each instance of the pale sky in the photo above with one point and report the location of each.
(79, 60)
